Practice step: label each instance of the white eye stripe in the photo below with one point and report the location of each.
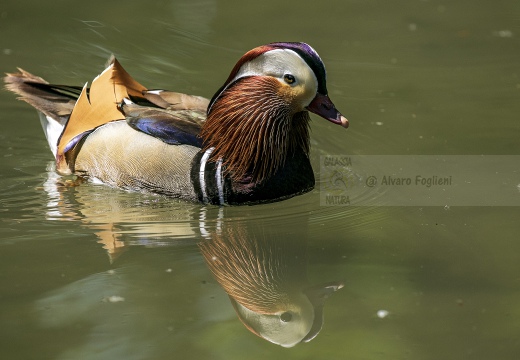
(281, 62)
(276, 63)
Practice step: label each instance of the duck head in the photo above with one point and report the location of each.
(260, 115)
(297, 321)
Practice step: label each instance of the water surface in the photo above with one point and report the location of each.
(91, 272)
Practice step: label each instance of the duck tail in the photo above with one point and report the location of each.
(53, 102)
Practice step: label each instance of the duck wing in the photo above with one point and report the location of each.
(171, 100)
(173, 127)
(172, 117)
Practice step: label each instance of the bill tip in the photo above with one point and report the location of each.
(344, 122)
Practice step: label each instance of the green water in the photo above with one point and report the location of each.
(90, 272)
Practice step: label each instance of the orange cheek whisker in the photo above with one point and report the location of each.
(253, 129)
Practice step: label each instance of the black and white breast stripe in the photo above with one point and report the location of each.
(207, 179)
(212, 186)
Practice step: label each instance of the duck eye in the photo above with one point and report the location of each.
(289, 79)
(286, 317)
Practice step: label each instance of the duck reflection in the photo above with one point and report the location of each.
(119, 219)
(264, 274)
(260, 263)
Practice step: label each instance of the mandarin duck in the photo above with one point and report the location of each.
(249, 144)
(265, 277)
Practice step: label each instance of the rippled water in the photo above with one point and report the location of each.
(90, 272)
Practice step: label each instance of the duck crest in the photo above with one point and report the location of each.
(95, 107)
(253, 129)
(248, 56)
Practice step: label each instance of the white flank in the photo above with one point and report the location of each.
(52, 129)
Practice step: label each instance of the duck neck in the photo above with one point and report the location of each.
(253, 130)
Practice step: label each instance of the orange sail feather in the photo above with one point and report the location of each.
(96, 107)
